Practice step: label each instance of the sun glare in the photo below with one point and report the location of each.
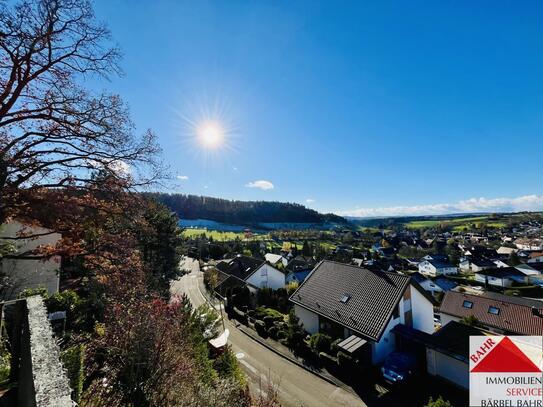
(210, 134)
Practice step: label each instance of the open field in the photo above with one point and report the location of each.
(219, 235)
(458, 224)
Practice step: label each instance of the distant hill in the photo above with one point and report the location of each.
(243, 212)
(458, 221)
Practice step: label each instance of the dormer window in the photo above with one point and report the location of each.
(467, 304)
(345, 299)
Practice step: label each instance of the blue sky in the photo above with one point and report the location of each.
(361, 108)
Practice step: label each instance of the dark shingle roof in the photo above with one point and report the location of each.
(439, 264)
(454, 338)
(419, 278)
(502, 272)
(515, 313)
(445, 284)
(373, 296)
(480, 262)
(300, 263)
(240, 266)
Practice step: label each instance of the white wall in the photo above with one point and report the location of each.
(386, 345)
(453, 370)
(27, 273)
(447, 271)
(431, 287)
(495, 281)
(308, 318)
(423, 312)
(427, 268)
(446, 318)
(267, 276)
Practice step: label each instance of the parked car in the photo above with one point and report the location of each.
(399, 367)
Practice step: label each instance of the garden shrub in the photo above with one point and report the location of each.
(334, 348)
(272, 332)
(5, 360)
(260, 327)
(240, 316)
(281, 334)
(320, 342)
(440, 402)
(327, 360)
(227, 366)
(295, 332)
(268, 320)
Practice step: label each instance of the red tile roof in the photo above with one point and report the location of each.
(515, 313)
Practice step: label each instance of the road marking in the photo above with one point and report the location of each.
(248, 366)
(240, 355)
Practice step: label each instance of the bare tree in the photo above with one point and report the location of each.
(55, 133)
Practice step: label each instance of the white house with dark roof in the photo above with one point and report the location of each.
(354, 302)
(256, 273)
(434, 268)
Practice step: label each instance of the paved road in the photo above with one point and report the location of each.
(296, 386)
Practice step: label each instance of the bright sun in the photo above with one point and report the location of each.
(210, 134)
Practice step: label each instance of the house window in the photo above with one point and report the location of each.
(467, 304)
(345, 299)
(493, 310)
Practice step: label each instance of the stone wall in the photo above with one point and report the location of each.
(36, 366)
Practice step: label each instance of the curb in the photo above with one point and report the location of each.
(292, 360)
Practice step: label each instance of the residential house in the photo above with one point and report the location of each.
(500, 277)
(426, 283)
(436, 257)
(445, 284)
(535, 257)
(447, 353)
(529, 244)
(23, 266)
(505, 252)
(500, 263)
(498, 313)
(352, 302)
(475, 264)
(276, 260)
(298, 268)
(254, 272)
(412, 263)
(433, 268)
(478, 251)
(387, 252)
